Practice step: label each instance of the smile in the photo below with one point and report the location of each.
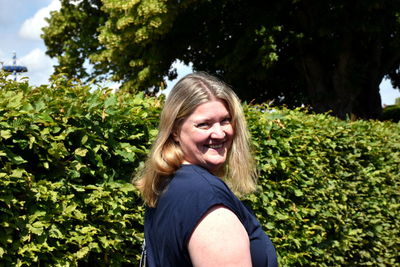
(215, 146)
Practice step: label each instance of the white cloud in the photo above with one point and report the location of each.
(36, 60)
(32, 27)
(40, 66)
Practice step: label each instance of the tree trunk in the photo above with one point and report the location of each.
(344, 90)
(368, 103)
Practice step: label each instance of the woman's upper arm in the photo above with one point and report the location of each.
(219, 239)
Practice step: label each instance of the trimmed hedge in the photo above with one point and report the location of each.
(67, 155)
(391, 113)
(328, 189)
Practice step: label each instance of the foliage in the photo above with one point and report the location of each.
(66, 130)
(72, 36)
(329, 54)
(391, 112)
(328, 189)
(67, 154)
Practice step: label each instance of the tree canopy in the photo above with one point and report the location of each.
(331, 55)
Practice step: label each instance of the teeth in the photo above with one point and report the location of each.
(215, 146)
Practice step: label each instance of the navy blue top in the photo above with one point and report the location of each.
(189, 195)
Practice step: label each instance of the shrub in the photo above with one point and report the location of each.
(328, 189)
(391, 113)
(67, 154)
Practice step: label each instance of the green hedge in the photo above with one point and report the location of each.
(392, 113)
(67, 154)
(328, 189)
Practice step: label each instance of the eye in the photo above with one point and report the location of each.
(203, 125)
(226, 121)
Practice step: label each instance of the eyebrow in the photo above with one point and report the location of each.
(207, 119)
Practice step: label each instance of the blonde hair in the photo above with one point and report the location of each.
(165, 158)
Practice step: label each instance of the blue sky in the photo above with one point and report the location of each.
(20, 28)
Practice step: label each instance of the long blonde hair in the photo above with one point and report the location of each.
(165, 157)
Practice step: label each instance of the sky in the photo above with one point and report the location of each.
(20, 28)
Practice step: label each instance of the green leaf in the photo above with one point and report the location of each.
(69, 209)
(81, 152)
(5, 134)
(18, 173)
(110, 101)
(15, 101)
(55, 232)
(298, 192)
(84, 139)
(82, 252)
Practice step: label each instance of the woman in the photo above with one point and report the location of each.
(192, 216)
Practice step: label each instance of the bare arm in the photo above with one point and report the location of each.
(220, 240)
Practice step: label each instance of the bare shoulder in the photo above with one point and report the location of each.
(220, 239)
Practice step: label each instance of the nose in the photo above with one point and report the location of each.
(217, 132)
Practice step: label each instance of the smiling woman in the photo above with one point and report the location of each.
(193, 217)
(206, 135)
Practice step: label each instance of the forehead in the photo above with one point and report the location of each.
(211, 108)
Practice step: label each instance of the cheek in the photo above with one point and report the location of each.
(199, 139)
(229, 131)
(230, 135)
(193, 138)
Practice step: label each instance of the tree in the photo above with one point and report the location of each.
(329, 54)
(72, 37)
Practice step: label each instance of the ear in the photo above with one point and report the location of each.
(175, 136)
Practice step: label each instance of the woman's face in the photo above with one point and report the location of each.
(205, 136)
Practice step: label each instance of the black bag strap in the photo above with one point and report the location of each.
(143, 255)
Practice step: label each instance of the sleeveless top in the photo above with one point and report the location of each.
(189, 195)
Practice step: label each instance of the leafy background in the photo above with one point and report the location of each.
(328, 189)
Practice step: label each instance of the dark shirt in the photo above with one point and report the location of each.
(189, 195)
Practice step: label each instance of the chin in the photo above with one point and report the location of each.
(215, 166)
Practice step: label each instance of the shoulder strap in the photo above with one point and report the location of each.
(143, 256)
